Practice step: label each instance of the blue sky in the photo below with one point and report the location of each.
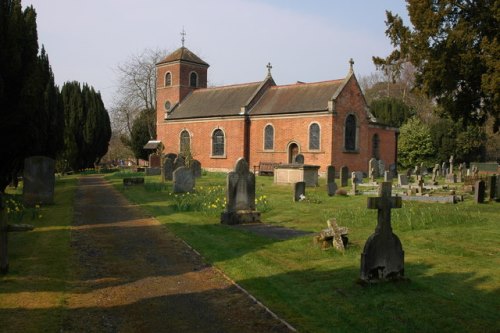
(304, 40)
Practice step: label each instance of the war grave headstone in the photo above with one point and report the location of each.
(381, 167)
(383, 255)
(168, 168)
(299, 192)
(39, 180)
(4, 230)
(240, 196)
(344, 174)
(196, 168)
(183, 180)
(373, 169)
(299, 159)
(402, 180)
(479, 191)
(333, 236)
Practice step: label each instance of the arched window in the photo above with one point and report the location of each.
(314, 135)
(375, 146)
(168, 79)
(185, 143)
(193, 80)
(218, 143)
(350, 133)
(269, 137)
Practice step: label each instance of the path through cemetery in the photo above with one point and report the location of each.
(133, 275)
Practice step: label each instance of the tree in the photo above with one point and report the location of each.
(415, 144)
(141, 134)
(454, 46)
(391, 111)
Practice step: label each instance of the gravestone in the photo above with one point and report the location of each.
(435, 172)
(402, 180)
(299, 192)
(383, 255)
(179, 162)
(154, 161)
(299, 159)
(451, 165)
(172, 156)
(479, 191)
(381, 167)
(354, 183)
(39, 180)
(344, 172)
(387, 176)
(359, 177)
(443, 169)
(330, 174)
(492, 187)
(168, 168)
(460, 173)
(451, 178)
(333, 235)
(332, 189)
(373, 168)
(196, 168)
(183, 180)
(393, 170)
(240, 196)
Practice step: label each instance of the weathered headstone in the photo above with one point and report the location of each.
(373, 169)
(354, 183)
(196, 168)
(183, 180)
(39, 180)
(435, 172)
(402, 180)
(240, 196)
(332, 189)
(492, 187)
(451, 165)
(168, 168)
(299, 159)
(299, 192)
(333, 236)
(330, 174)
(479, 191)
(154, 161)
(460, 173)
(172, 156)
(359, 177)
(383, 255)
(393, 170)
(344, 174)
(443, 169)
(381, 167)
(387, 176)
(179, 162)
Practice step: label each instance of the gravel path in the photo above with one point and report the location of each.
(133, 275)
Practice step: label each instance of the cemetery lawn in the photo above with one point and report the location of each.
(451, 257)
(32, 294)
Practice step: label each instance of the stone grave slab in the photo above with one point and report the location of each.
(39, 180)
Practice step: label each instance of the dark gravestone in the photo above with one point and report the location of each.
(183, 180)
(172, 156)
(240, 196)
(479, 191)
(402, 180)
(39, 180)
(492, 187)
(332, 189)
(154, 161)
(179, 162)
(393, 170)
(387, 176)
(330, 174)
(497, 191)
(383, 255)
(299, 192)
(299, 159)
(344, 176)
(168, 168)
(196, 168)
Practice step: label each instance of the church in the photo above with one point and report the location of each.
(328, 122)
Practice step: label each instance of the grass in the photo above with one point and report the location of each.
(451, 259)
(32, 294)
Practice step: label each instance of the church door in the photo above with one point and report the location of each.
(293, 150)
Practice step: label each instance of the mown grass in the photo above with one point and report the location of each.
(32, 293)
(451, 259)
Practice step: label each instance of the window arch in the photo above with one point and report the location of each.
(168, 79)
(218, 143)
(193, 80)
(314, 136)
(269, 137)
(376, 146)
(350, 133)
(185, 142)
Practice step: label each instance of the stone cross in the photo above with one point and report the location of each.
(4, 230)
(383, 255)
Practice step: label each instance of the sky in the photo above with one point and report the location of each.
(305, 41)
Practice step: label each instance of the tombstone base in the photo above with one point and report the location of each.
(382, 258)
(240, 217)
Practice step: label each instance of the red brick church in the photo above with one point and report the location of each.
(328, 122)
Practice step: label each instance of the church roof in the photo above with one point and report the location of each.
(296, 98)
(183, 54)
(213, 102)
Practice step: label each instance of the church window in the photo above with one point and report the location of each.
(168, 79)
(218, 143)
(314, 136)
(375, 146)
(193, 80)
(269, 137)
(350, 133)
(185, 143)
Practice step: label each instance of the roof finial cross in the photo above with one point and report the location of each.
(183, 34)
(269, 67)
(351, 64)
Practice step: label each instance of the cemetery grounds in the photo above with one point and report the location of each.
(451, 258)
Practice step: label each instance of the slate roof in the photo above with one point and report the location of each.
(152, 144)
(184, 54)
(297, 98)
(214, 102)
